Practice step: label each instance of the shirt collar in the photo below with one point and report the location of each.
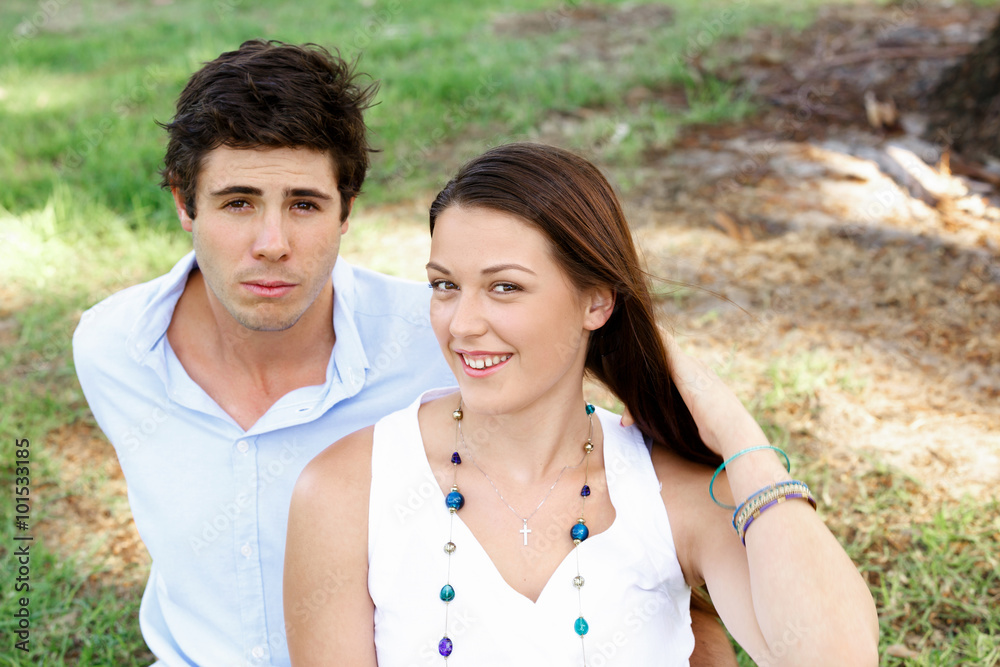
(346, 370)
(151, 324)
(349, 359)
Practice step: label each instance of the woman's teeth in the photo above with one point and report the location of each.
(480, 363)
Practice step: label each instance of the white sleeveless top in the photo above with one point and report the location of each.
(635, 598)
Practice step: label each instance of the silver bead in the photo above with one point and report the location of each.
(449, 548)
(578, 581)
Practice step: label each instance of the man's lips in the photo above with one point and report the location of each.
(269, 288)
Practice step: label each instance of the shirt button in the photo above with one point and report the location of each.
(257, 652)
(246, 551)
(242, 446)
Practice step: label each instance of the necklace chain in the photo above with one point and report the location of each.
(455, 501)
(526, 519)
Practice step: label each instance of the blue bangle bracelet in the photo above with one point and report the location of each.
(711, 484)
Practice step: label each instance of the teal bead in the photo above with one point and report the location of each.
(581, 626)
(590, 409)
(447, 593)
(579, 532)
(455, 501)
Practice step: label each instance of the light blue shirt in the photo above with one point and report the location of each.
(209, 499)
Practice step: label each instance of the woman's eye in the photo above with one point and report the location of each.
(505, 288)
(442, 285)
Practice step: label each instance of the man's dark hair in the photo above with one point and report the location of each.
(269, 94)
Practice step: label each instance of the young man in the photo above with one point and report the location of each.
(220, 380)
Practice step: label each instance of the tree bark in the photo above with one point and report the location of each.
(965, 105)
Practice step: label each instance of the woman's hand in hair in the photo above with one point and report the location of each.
(723, 423)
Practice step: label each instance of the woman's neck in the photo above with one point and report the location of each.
(528, 444)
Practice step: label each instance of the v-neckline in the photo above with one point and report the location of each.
(494, 571)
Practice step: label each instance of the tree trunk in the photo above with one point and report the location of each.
(965, 105)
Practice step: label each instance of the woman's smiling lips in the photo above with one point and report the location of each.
(269, 288)
(478, 364)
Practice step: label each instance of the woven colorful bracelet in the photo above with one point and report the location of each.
(788, 494)
(711, 483)
(763, 496)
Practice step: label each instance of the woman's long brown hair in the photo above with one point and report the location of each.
(569, 200)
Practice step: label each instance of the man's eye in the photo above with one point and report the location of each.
(305, 206)
(237, 204)
(442, 285)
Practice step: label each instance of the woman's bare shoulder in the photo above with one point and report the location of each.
(342, 468)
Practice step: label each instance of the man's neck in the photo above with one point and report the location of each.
(247, 371)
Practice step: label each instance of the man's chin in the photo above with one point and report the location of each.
(271, 323)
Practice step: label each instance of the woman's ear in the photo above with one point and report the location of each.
(600, 303)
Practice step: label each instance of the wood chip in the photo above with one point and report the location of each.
(901, 651)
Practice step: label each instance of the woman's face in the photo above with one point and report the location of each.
(510, 323)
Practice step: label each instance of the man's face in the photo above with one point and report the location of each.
(267, 232)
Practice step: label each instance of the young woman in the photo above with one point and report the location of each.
(507, 522)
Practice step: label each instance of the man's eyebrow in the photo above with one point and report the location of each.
(237, 190)
(307, 192)
(257, 192)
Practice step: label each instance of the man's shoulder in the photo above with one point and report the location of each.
(115, 314)
(380, 295)
(105, 327)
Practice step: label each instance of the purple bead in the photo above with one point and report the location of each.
(445, 647)
(456, 459)
(585, 491)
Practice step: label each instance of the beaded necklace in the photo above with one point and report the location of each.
(524, 519)
(578, 533)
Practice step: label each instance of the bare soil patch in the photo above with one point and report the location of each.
(86, 510)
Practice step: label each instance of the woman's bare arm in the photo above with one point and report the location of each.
(329, 615)
(791, 596)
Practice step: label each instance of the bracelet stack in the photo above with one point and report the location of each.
(764, 499)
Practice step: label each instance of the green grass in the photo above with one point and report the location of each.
(935, 578)
(81, 93)
(81, 216)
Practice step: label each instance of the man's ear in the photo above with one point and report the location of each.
(600, 304)
(347, 216)
(186, 221)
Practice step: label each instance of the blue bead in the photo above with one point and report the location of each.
(581, 626)
(447, 593)
(585, 491)
(455, 458)
(579, 532)
(445, 646)
(590, 409)
(455, 500)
